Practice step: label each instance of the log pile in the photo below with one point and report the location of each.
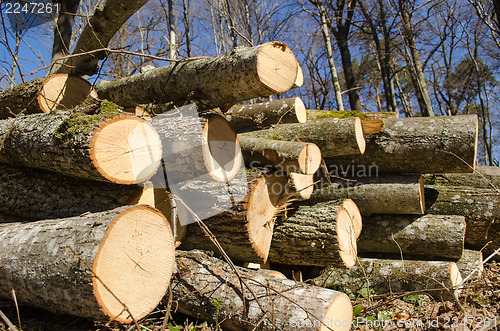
(95, 200)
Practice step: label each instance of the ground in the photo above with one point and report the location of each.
(477, 308)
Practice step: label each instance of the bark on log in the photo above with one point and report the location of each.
(245, 230)
(282, 304)
(418, 145)
(381, 277)
(387, 194)
(290, 110)
(104, 147)
(318, 235)
(479, 206)
(197, 147)
(37, 194)
(430, 237)
(288, 156)
(36, 262)
(333, 136)
(483, 177)
(211, 82)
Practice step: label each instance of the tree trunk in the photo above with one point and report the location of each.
(352, 89)
(381, 277)
(207, 288)
(390, 194)
(479, 206)
(288, 156)
(429, 237)
(63, 28)
(318, 235)
(106, 20)
(37, 263)
(418, 145)
(290, 110)
(105, 147)
(483, 177)
(211, 82)
(245, 229)
(333, 136)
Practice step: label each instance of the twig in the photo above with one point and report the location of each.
(17, 308)
(8, 322)
(169, 306)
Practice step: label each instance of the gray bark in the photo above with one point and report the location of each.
(334, 137)
(389, 194)
(419, 145)
(282, 304)
(20, 98)
(429, 237)
(483, 177)
(63, 28)
(211, 82)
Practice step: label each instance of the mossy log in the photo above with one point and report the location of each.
(37, 262)
(333, 136)
(418, 145)
(429, 237)
(244, 228)
(259, 115)
(480, 207)
(289, 156)
(320, 235)
(220, 81)
(382, 276)
(483, 177)
(104, 147)
(273, 302)
(58, 92)
(386, 194)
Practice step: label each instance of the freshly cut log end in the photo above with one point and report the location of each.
(303, 185)
(137, 251)
(126, 150)
(300, 77)
(421, 195)
(340, 306)
(455, 276)
(346, 236)
(353, 211)
(310, 159)
(64, 92)
(300, 109)
(277, 67)
(358, 129)
(372, 126)
(221, 149)
(263, 205)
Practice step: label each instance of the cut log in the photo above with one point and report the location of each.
(196, 147)
(273, 303)
(104, 147)
(300, 186)
(418, 145)
(299, 81)
(470, 261)
(381, 277)
(58, 92)
(245, 230)
(483, 177)
(372, 126)
(139, 112)
(333, 136)
(36, 262)
(288, 156)
(386, 194)
(430, 237)
(291, 110)
(220, 81)
(479, 206)
(36, 194)
(318, 235)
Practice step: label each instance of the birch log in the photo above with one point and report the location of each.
(104, 147)
(276, 303)
(290, 110)
(333, 136)
(211, 82)
(429, 237)
(418, 145)
(386, 194)
(319, 235)
(36, 262)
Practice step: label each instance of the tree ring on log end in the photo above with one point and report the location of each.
(360, 137)
(127, 266)
(300, 110)
(309, 159)
(338, 316)
(277, 67)
(64, 92)
(262, 207)
(346, 236)
(221, 149)
(356, 218)
(126, 150)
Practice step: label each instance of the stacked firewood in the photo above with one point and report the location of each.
(86, 229)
